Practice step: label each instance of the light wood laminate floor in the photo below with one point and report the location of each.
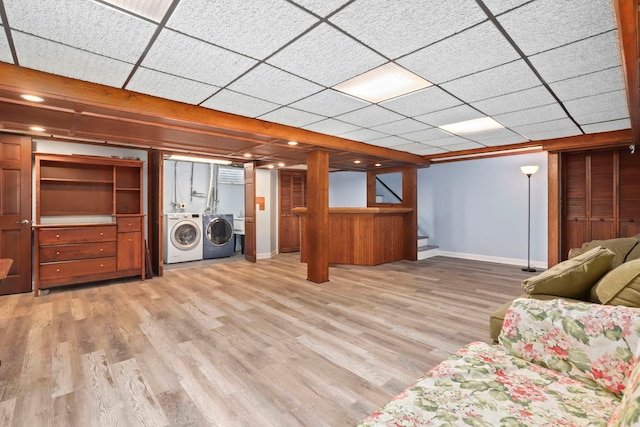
(240, 344)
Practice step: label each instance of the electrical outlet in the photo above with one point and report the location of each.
(182, 205)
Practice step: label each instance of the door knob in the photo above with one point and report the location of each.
(23, 222)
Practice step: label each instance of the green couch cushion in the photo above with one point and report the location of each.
(572, 278)
(619, 246)
(621, 286)
(635, 252)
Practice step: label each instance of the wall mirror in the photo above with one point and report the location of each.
(389, 188)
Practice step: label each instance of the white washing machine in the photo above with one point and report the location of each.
(182, 237)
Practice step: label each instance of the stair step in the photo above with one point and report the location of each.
(427, 251)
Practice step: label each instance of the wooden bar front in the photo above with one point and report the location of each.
(360, 236)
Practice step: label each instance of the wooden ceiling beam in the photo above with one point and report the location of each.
(157, 110)
(627, 20)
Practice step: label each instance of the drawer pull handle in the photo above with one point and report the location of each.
(101, 265)
(129, 239)
(129, 224)
(57, 236)
(57, 252)
(102, 234)
(101, 250)
(57, 270)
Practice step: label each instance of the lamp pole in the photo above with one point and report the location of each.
(529, 170)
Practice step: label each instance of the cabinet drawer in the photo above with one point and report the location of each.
(77, 252)
(58, 236)
(77, 268)
(129, 224)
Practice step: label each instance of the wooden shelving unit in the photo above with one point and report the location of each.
(89, 219)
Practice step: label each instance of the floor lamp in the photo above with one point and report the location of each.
(529, 170)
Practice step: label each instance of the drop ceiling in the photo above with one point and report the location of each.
(544, 69)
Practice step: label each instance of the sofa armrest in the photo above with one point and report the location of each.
(588, 342)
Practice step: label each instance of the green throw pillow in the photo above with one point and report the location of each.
(571, 278)
(621, 286)
(619, 246)
(635, 252)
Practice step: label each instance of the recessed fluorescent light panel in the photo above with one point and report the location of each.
(472, 126)
(198, 159)
(383, 83)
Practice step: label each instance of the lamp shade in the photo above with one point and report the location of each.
(529, 170)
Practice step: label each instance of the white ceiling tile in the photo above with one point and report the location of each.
(500, 6)
(401, 126)
(515, 101)
(55, 58)
(552, 134)
(151, 9)
(321, 7)
(589, 84)
(428, 150)
(363, 135)
(449, 141)
(370, 116)
(271, 84)
(497, 137)
(411, 147)
(424, 101)
(331, 127)
(170, 87)
(87, 25)
(545, 24)
(465, 146)
(544, 113)
(5, 50)
(583, 57)
(326, 56)
(329, 103)
(450, 115)
(427, 135)
(256, 28)
(390, 141)
(184, 56)
(395, 28)
(470, 51)
(238, 103)
(599, 108)
(291, 117)
(607, 126)
(511, 77)
(561, 124)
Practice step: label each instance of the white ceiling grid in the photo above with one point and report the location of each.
(542, 68)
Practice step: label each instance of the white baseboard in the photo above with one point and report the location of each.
(267, 255)
(500, 260)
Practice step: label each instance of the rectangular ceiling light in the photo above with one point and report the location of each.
(472, 126)
(383, 83)
(151, 9)
(198, 159)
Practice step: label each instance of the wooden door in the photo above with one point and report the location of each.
(15, 216)
(601, 207)
(574, 203)
(293, 194)
(249, 212)
(629, 193)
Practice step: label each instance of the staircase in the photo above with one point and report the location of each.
(425, 250)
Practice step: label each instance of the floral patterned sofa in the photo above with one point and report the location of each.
(557, 363)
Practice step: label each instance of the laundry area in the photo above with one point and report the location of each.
(203, 210)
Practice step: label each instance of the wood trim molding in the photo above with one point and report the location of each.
(611, 139)
(627, 20)
(554, 219)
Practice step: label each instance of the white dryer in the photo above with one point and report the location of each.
(182, 237)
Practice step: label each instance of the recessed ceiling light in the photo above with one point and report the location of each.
(378, 165)
(357, 162)
(280, 164)
(292, 143)
(37, 128)
(472, 126)
(32, 98)
(382, 83)
(270, 166)
(247, 155)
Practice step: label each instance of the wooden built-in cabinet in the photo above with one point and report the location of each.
(89, 221)
(600, 196)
